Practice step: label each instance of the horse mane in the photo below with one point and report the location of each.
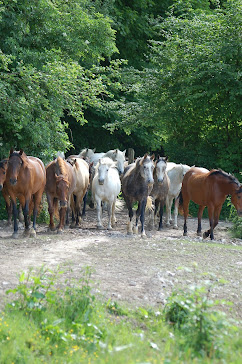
(3, 162)
(229, 176)
(62, 166)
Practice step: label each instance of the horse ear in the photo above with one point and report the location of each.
(94, 150)
(146, 155)
(152, 157)
(21, 151)
(158, 156)
(124, 152)
(166, 158)
(11, 151)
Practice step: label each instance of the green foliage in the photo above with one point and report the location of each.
(53, 319)
(47, 54)
(192, 314)
(236, 230)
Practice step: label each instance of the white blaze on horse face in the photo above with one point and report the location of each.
(102, 173)
(160, 170)
(148, 168)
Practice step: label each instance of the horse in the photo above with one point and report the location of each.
(137, 183)
(115, 154)
(209, 189)
(176, 173)
(60, 184)
(25, 180)
(9, 208)
(160, 188)
(81, 170)
(106, 186)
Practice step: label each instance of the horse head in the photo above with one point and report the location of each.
(62, 188)
(236, 199)
(146, 164)
(15, 162)
(103, 168)
(119, 157)
(160, 169)
(3, 172)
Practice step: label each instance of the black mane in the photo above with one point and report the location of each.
(232, 178)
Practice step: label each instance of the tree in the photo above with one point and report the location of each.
(50, 53)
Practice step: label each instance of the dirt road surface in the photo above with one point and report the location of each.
(129, 269)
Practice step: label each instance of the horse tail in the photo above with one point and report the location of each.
(180, 205)
(149, 204)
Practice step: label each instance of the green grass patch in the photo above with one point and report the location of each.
(53, 320)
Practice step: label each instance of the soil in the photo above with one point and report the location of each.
(129, 269)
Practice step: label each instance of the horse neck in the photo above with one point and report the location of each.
(227, 186)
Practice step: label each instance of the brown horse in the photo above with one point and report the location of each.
(25, 180)
(209, 189)
(60, 184)
(9, 208)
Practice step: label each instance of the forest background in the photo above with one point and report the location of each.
(155, 76)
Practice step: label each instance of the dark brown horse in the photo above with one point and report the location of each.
(209, 189)
(137, 183)
(9, 208)
(25, 180)
(160, 188)
(60, 184)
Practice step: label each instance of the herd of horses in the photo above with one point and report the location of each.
(147, 181)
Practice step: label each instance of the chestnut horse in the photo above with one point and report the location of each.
(60, 184)
(137, 183)
(209, 189)
(25, 180)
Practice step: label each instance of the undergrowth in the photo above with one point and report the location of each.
(55, 320)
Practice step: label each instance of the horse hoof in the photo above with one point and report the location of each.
(32, 233)
(100, 227)
(199, 234)
(205, 235)
(59, 231)
(135, 229)
(129, 233)
(175, 227)
(15, 236)
(184, 234)
(143, 235)
(109, 228)
(26, 233)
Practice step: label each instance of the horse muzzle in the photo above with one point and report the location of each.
(101, 181)
(160, 181)
(13, 181)
(63, 203)
(1, 187)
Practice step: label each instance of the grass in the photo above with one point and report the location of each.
(52, 320)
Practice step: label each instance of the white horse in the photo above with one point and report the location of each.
(175, 172)
(106, 186)
(115, 154)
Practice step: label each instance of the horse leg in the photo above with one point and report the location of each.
(131, 214)
(161, 216)
(62, 213)
(137, 219)
(199, 225)
(15, 222)
(109, 215)
(185, 211)
(113, 220)
(168, 210)
(99, 213)
(51, 204)
(8, 205)
(26, 216)
(211, 222)
(142, 217)
(176, 205)
(84, 205)
(20, 214)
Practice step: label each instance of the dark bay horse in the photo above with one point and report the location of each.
(137, 183)
(209, 189)
(160, 188)
(60, 184)
(25, 180)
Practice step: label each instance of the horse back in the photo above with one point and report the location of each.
(197, 186)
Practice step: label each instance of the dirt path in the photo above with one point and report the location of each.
(128, 268)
